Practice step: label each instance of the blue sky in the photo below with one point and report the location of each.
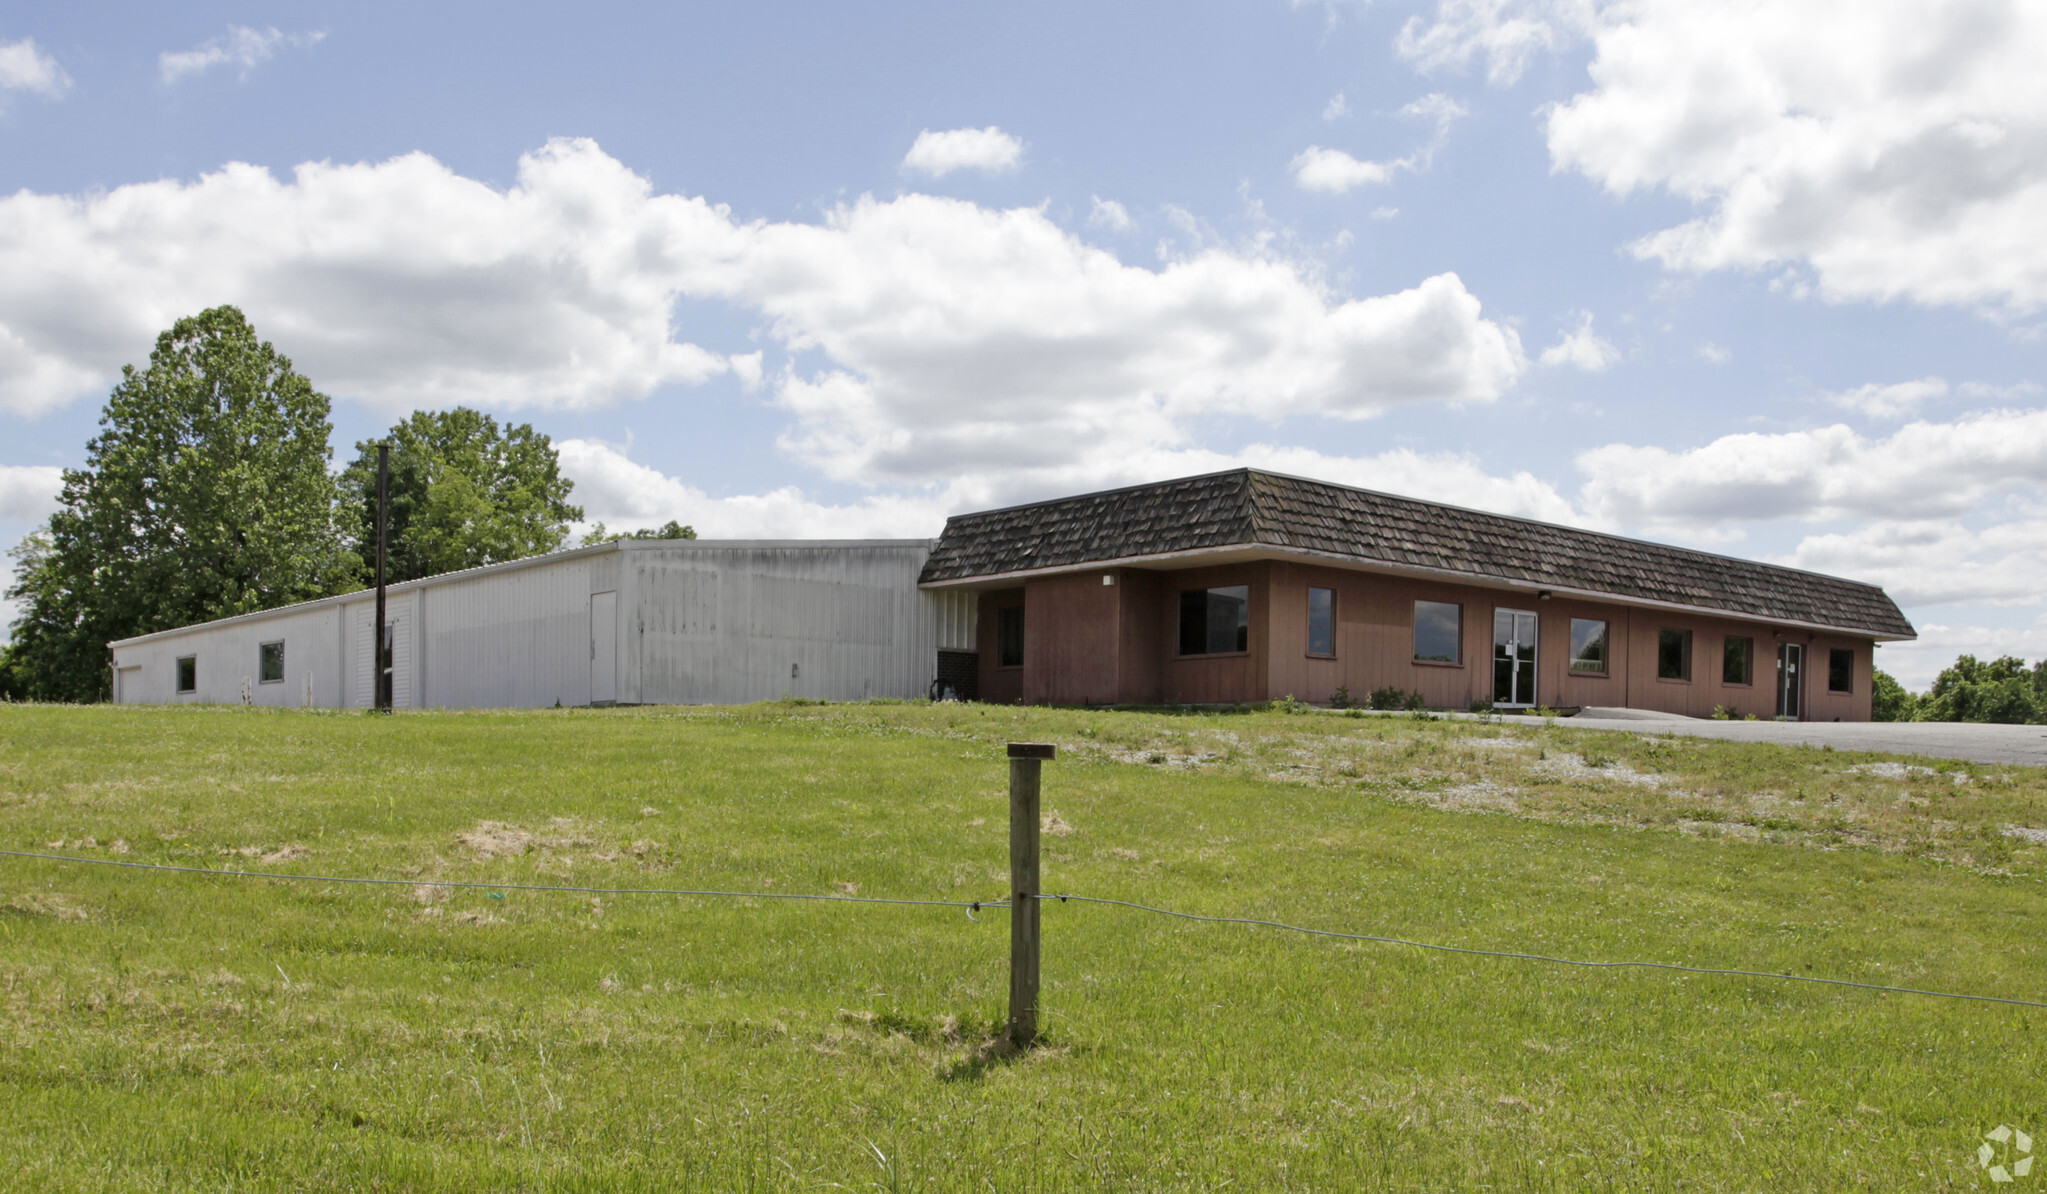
(1763, 281)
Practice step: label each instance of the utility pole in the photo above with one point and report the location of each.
(382, 631)
(1024, 761)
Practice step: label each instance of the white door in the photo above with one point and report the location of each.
(603, 647)
(1513, 658)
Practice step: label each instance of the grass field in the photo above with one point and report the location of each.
(162, 1031)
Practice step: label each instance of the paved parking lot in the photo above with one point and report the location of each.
(1940, 740)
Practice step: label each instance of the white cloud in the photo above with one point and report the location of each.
(241, 46)
(1915, 664)
(936, 337)
(1939, 561)
(989, 150)
(622, 493)
(1890, 401)
(1507, 33)
(400, 283)
(1715, 353)
(1107, 213)
(1332, 171)
(1337, 108)
(1898, 148)
(1065, 353)
(28, 493)
(24, 66)
(1335, 172)
(626, 495)
(1921, 471)
(1583, 348)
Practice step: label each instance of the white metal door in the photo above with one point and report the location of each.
(603, 647)
(1513, 657)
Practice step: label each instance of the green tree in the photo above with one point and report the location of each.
(1971, 690)
(205, 495)
(1889, 701)
(667, 530)
(463, 492)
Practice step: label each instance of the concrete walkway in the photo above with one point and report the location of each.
(1972, 741)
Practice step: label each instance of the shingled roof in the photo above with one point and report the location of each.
(1250, 509)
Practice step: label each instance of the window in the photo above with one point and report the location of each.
(270, 663)
(1321, 621)
(1438, 632)
(1214, 621)
(1009, 637)
(188, 673)
(1588, 646)
(1673, 655)
(1840, 670)
(1738, 661)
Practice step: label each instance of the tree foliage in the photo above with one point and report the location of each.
(1889, 701)
(2003, 690)
(205, 495)
(667, 530)
(464, 492)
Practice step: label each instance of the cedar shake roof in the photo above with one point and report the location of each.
(1250, 509)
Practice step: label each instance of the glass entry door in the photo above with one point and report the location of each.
(1513, 657)
(1790, 679)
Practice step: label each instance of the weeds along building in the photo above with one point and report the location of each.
(1238, 586)
(670, 621)
(1250, 586)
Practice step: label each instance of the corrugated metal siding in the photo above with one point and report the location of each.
(511, 640)
(955, 616)
(401, 613)
(146, 673)
(697, 622)
(719, 624)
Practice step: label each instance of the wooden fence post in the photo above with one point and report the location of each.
(1024, 761)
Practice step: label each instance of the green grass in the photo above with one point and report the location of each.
(175, 1032)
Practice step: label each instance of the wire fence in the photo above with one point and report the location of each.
(973, 906)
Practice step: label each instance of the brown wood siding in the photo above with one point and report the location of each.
(1090, 643)
(1214, 679)
(1143, 645)
(1071, 647)
(999, 685)
(1375, 649)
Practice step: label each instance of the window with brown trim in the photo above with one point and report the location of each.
(1009, 630)
(1438, 632)
(1738, 660)
(1215, 621)
(1588, 646)
(1673, 655)
(1840, 670)
(1321, 621)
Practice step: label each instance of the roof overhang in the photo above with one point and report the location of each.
(1241, 553)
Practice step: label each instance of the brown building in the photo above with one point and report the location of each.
(1249, 586)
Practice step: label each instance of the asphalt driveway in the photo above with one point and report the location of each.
(1972, 741)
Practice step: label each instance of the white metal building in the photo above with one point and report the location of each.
(670, 621)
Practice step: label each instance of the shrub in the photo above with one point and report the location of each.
(1388, 697)
(1340, 699)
